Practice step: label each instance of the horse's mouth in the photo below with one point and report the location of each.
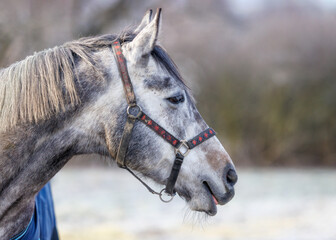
(216, 198)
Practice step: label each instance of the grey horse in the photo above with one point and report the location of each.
(70, 100)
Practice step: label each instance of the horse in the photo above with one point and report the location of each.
(116, 95)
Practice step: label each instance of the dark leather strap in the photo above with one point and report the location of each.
(125, 139)
(131, 100)
(130, 96)
(200, 138)
(174, 174)
(159, 130)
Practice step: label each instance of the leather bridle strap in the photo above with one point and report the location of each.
(130, 96)
(195, 141)
(131, 101)
(159, 130)
(134, 112)
(182, 148)
(131, 118)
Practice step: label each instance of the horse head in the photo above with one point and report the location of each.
(207, 176)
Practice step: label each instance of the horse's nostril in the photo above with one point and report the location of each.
(231, 177)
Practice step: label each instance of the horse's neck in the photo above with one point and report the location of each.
(31, 155)
(29, 159)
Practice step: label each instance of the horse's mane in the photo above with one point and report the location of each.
(44, 84)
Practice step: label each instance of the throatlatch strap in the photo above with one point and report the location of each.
(130, 96)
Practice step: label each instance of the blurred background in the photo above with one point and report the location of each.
(263, 73)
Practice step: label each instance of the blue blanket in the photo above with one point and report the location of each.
(42, 225)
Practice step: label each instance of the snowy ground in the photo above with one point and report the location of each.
(107, 203)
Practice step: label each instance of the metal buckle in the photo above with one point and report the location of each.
(180, 149)
(136, 108)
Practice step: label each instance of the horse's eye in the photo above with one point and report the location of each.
(176, 99)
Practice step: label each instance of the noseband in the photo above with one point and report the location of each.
(134, 113)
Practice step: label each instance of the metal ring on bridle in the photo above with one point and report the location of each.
(163, 200)
(179, 148)
(132, 107)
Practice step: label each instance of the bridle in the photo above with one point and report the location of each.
(134, 113)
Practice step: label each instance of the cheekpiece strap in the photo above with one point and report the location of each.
(130, 96)
(131, 100)
(124, 142)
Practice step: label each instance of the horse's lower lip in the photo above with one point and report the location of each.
(217, 200)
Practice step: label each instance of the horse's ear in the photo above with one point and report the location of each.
(144, 42)
(145, 21)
